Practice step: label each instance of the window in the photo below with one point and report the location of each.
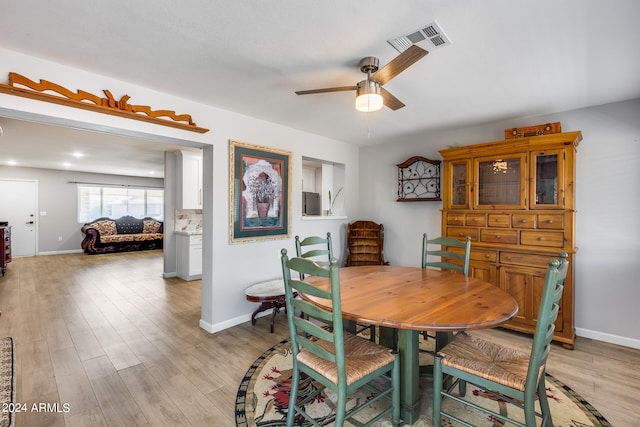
(114, 202)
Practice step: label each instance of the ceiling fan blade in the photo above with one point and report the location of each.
(390, 100)
(329, 89)
(399, 64)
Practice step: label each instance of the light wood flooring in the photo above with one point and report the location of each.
(121, 346)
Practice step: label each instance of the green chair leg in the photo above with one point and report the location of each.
(437, 391)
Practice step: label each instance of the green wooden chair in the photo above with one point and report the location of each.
(507, 374)
(319, 249)
(330, 357)
(439, 247)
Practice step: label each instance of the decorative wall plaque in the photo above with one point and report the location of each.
(419, 180)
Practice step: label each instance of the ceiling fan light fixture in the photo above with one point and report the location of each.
(368, 96)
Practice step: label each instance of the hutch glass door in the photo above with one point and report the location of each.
(500, 182)
(547, 187)
(458, 173)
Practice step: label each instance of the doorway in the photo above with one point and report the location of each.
(18, 208)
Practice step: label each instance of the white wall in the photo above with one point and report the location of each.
(229, 269)
(608, 204)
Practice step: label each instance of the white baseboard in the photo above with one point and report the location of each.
(217, 327)
(71, 251)
(609, 338)
(169, 274)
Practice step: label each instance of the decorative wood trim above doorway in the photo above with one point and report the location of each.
(91, 102)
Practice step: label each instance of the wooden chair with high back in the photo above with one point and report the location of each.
(507, 374)
(335, 359)
(441, 247)
(365, 244)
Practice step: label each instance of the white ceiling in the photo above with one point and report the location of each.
(508, 59)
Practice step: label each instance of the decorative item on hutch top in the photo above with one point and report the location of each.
(259, 192)
(419, 180)
(516, 199)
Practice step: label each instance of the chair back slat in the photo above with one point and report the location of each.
(311, 310)
(305, 333)
(547, 315)
(440, 249)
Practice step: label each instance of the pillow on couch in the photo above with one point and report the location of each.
(105, 227)
(151, 226)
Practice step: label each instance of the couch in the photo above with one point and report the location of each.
(127, 233)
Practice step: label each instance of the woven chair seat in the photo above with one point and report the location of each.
(487, 360)
(362, 357)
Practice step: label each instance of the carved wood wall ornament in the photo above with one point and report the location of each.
(91, 102)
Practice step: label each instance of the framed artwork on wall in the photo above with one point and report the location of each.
(259, 193)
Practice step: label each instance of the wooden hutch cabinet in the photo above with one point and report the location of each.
(515, 198)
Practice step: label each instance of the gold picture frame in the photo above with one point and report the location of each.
(259, 193)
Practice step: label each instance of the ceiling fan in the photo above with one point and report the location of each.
(370, 95)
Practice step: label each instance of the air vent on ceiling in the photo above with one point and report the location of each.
(431, 34)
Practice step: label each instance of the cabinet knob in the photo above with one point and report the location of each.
(487, 256)
(497, 236)
(509, 258)
(540, 239)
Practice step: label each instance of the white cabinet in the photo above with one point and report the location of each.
(188, 180)
(189, 252)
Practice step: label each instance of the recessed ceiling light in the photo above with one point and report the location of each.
(77, 154)
(12, 163)
(66, 164)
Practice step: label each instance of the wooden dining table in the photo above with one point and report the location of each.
(414, 299)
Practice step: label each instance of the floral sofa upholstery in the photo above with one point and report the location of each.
(124, 234)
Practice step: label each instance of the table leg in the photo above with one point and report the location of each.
(264, 306)
(408, 347)
(276, 309)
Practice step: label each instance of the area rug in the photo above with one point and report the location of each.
(263, 398)
(7, 382)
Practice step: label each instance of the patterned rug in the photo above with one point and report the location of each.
(263, 398)
(7, 382)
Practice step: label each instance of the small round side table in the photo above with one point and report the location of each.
(270, 295)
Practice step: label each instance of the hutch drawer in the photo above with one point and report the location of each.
(542, 238)
(555, 222)
(455, 218)
(463, 232)
(523, 220)
(522, 258)
(476, 219)
(499, 220)
(485, 255)
(488, 235)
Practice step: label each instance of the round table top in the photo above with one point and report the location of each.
(418, 299)
(271, 289)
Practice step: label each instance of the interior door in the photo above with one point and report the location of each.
(18, 208)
